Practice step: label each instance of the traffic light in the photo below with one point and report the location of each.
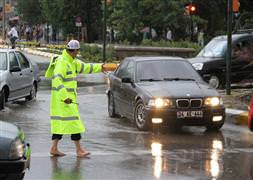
(190, 9)
(236, 5)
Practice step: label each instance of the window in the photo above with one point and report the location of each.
(121, 71)
(165, 69)
(243, 51)
(24, 63)
(130, 70)
(13, 60)
(3, 61)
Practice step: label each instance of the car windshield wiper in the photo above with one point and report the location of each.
(178, 79)
(150, 79)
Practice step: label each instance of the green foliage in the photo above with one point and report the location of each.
(29, 43)
(128, 18)
(172, 44)
(93, 53)
(62, 14)
(30, 11)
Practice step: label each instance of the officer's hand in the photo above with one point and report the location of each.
(68, 101)
(109, 67)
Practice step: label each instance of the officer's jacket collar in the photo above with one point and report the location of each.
(67, 56)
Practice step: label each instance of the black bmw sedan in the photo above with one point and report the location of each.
(165, 91)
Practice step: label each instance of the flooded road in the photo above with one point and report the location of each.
(120, 151)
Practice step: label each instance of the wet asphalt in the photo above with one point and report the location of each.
(120, 151)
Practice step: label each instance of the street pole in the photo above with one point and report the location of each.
(229, 46)
(3, 33)
(104, 32)
(191, 27)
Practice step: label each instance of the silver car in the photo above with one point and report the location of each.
(19, 77)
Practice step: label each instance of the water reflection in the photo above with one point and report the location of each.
(62, 170)
(190, 152)
(213, 166)
(156, 150)
(186, 153)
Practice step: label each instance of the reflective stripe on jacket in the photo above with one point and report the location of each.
(65, 118)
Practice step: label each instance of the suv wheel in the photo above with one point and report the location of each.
(215, 81)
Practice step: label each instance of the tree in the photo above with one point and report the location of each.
(30, 11)
(62, 14)
(130, 17)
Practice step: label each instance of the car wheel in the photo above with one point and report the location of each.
(139, 116)
(215, 81)
(33, 93)
(214, 127)
(111, 106)
(2, 99)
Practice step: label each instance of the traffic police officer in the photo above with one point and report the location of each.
(64, 114)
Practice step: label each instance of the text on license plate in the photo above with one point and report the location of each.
(189, 114)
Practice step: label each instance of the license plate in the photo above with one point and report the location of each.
(189, 114)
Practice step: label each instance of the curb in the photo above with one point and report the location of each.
(238, 117)
(40, 53)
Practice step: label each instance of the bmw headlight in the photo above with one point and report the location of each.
(213, 101)
(198, 66)
(17, 150)
(159, 102)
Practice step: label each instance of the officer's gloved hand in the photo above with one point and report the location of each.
(109, 67)
(68, 101)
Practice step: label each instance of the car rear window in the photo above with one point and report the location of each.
(165, 69)
(3, 61)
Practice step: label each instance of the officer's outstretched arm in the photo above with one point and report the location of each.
(88, 68)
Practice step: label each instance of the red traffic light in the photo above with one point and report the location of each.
(190, 9)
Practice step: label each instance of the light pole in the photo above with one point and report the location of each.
(229, 44)
(106, 2)
(3, 33)
(104, 31)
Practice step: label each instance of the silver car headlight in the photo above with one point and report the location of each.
(213, 101)
(198, 66)
(16, 150)
(159, 103)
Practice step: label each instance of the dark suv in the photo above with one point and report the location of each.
(211, 60)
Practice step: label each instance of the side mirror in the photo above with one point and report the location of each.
(126, 80)
(15, 69)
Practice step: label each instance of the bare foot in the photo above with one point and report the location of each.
(56, 153)
(82, 153)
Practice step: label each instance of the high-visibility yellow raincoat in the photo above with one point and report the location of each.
(65, 118)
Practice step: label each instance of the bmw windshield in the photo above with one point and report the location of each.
(166, 70)
(215, 48)
(3, 61)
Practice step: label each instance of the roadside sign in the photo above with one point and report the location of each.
(78, 24)
(78, 21)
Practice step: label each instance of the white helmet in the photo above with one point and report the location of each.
(73, 44)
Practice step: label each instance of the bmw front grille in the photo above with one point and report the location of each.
(189, 103)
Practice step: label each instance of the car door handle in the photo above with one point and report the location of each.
(31, 71)
(20, 74)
